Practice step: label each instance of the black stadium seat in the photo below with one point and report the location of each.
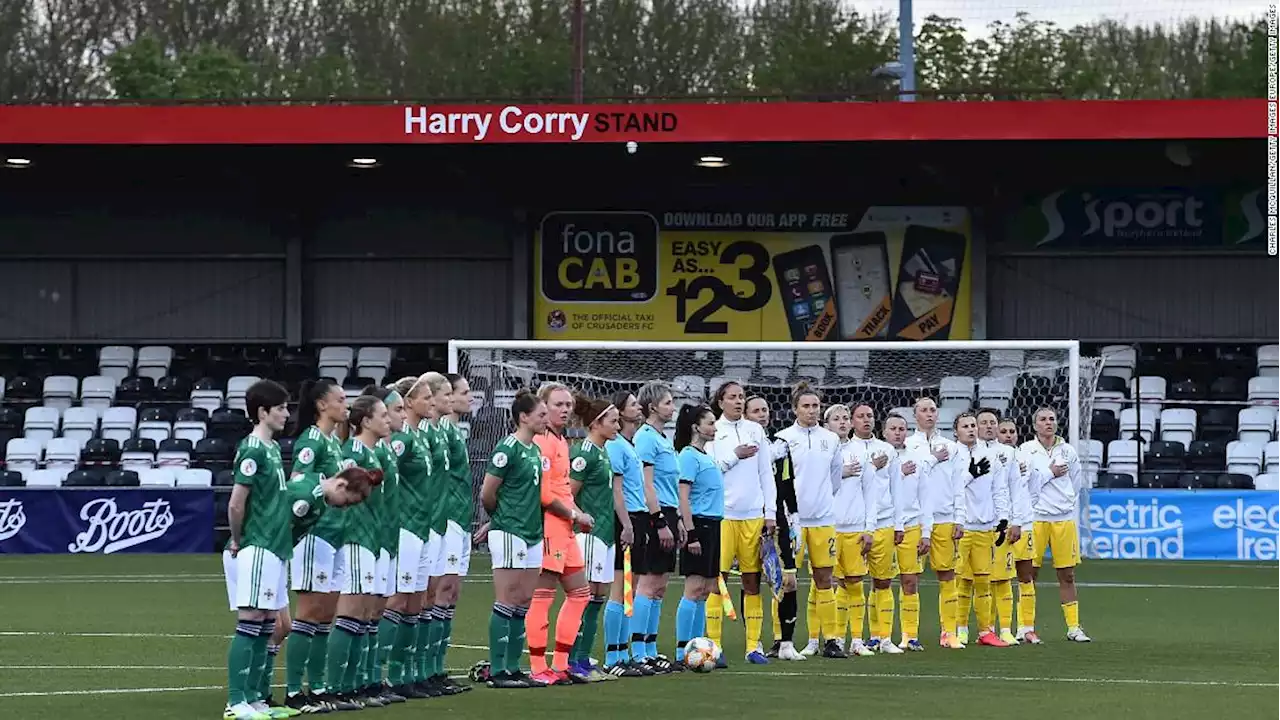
(286, 451)
(135, 390)
(1197, 480)
(229, 425)
(141, 445)
(173, 389)
(84, 478)
(1117, 481)
(214, 454)
(1207, 455)
(1162, 455)
(10, 419)
(224, 478)
(190, 414)
(11, 478)
(101, 452)
(1234, 481)
(1104, 426)
(1217, 423)
(1228, 388)
(122, 478)
(1111, 383)
(1187, 390)
(23, 391)
(155, 414)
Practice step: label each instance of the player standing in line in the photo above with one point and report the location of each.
(941, 496)
(598, 491)
(853, 541)
(254, 559)
(512, 497)
(815, 459)
(456, 550)
(876, 457)
(702, 504)
(1023, 548)
(1005, 568)
(741, 451)
(317, 454)
(382, 633)
(1055, 503)
(633, 530)
(358, 564)
(412, 567)
(562, 562)
(985, 517)
(784, 605)
(908, 496)
(658, 457)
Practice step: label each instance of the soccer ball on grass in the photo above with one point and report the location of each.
(700, 655)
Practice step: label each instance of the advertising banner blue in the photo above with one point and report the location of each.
(1183, 524)
(106, 521)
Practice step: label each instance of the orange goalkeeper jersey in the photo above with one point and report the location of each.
(555, 482)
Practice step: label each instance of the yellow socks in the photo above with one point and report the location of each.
(812, 622)
(910, 616)
(881, 614)
(1002, 600)
(947, 605)
(1071, 613)
(982, 602)
(856, 599)
(753, 613)
(715, 618)
(964, 601)
(1026, 605)
(827, 613)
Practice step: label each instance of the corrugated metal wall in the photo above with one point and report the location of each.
(1093, 297)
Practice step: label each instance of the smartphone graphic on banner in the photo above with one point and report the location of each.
(928, 283)
(861, 262)
(807, 296)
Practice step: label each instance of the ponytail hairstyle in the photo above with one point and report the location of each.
(524, 403)
(377, 391)
(360, 481)
(650, 395)
(802, 389)
(404, 385)
(588, 410)
(718, 397)
(686, 421)
(361, 409)
(310, 392)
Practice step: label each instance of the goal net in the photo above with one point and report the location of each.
(1015, 378)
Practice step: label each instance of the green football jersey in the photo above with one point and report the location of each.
(266, 513)
(320, 454)
(390, 520)
(413, 492)
(306, 504)
(519, 510)
(361, 520)
(460, 487)
(438, 447)
(590, 466)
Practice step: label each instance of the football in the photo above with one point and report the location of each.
(700, 655)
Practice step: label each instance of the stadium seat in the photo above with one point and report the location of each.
(335, 362)
(80, 424)
(214, 454)
(22, 391)
(813, 364)
(229, 425)
(1197, 480)
(11, 479)
(101, 452)
(123, 478)
(354, 386)
(174, 453)
(1268, 360)
(135, 390)
(1256, 423)
(1122, 457)
(154, 361)
(192, 424)
(1218, 423)
(60, 391)
(1119, 361)
(1104, 426)
(1267, 481)
(138, 454)
(995, 393)
(154, 424)
(1110, 394)
(206, 395)
(1151, 480)
(11, 419)
(1139, 421)
(907, 414)
(162, 477)
(224, 478)
(286, 448)
(236, 388)
(1004, 363)
(45, 478)
(173, 389)
(947, 420)
(1117, 481)
(1092, 456)
(116, 361)
(62, 452)
(1178, 425)
(1207, 455)
(23, 454)
(1187, 390)
(292, 367)
(373, 362)
(89, 477)
(852, 364)
(41, 423)
(1271, 457)
(956, 392)
(118, 423)
(98, 392)
(195, 477)
(1227, 389)
(1264, 390)
(1163, 455)
(1168, 480)
(1235, 481)
(689, 387)
(1242, 457)
(1149, 389)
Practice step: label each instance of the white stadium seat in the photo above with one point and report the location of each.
(1149, 389)
(335, 362)
(1002, 363)
(118, 423)
(157, 430)
(154, 361)
(1091, 458)
(207, 400)
(61, 391)
(813, 363)
(1271, 457)
(852, 364)
(947, 420)
(1255, 424)
(373, 363)
(80, 423)
(996, 392)
(1267, 481)
(1264, 390)
(236, 389)
(192, 430)
(41, 423)
(62, 453)
(116, 361)
(1269, 360)
(1244, 458)
(956, 392)
(51, 478)
(1178, 425)
(1139, 421)
(98, 391)
(1119, 361)
(689, 387)
(157, 477)
(777, 364)
(136, 460)
(907, 414)
(23, 454)
(174, 459)
(1122, 457)
(195, 477)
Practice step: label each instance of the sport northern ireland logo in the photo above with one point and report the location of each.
(111, 529)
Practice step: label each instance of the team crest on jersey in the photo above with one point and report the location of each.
(579, 464)
(546, 463)
(248, 467)
(397, 447)
(500, 460)
(301, 508)
(347, 464)
(306, 456)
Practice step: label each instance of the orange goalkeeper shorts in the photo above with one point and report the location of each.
(561, 554)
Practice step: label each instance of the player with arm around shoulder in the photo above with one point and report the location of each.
(1055, 498)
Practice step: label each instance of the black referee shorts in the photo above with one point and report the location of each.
(706, 530)
(656, 560)
(640, 527)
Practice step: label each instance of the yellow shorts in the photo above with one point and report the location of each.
(820, 543)
(943, 552)
(740, 539)
(1024, 548)
(880, 559)
(850, 562)
(978, 551)
(1003, 568)
(1061, 538)
(908, 557)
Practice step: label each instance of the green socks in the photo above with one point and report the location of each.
(345, 636)
(499, 637)
(587, 631)
(318, 660)
(240, 662)
(515, 647)
(403, 651)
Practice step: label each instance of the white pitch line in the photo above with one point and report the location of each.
(1007, 678)
(112, 691)
(161, 636)
(148, 668)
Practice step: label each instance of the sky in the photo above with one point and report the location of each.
(977, 14)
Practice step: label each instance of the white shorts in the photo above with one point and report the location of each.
(455, 554)
(314, 567)
(513, 553)
(412, 564)
(255, 579)
(357, 571)
(435, 554)
(384, 585)
(597, 558)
